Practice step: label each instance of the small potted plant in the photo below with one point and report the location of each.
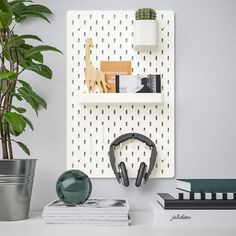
(145, 30)
(16, 57)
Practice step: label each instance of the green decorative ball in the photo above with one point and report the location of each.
(73, 187)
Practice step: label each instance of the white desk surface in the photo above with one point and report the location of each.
(141, 226)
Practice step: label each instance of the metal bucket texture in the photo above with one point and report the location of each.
(16, 181)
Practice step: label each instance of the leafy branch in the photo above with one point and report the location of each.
(16, 57)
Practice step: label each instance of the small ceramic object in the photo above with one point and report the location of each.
(145, 35)
(145, 30)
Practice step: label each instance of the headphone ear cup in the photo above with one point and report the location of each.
(124, 174)
(141, 173)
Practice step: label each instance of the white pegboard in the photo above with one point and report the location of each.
(92, 127)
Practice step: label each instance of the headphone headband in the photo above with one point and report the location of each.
(139, 137)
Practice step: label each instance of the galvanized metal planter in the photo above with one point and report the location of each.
(16, 181)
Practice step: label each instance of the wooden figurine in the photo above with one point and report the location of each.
(93, 76)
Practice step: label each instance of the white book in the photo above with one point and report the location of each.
(115, 223)
(85, 217)
(86, 222)
(92, 206)
(193, 218)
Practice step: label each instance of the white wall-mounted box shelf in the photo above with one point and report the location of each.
(120, 98)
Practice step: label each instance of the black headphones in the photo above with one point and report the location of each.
(122, 175)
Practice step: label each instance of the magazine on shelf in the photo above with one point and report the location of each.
(90, 206)
(138, 83)
(113, 68)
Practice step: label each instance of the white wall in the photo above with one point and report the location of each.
(205, 96)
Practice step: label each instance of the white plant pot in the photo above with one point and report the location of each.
(145, 35)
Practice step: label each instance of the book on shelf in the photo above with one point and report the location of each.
(90, 206)
(204, 196)
(207, 185)
(89, 222)
(167, 201)
(92, 212)
(192, 218)
(138, 83)
(113, 68)
(85, 216)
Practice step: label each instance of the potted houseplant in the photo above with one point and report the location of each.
(16, 57)
(145, 30)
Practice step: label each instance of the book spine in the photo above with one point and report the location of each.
(207, 185)
(76, 211)
(168, 202)
(158, 83)
(90, 223)
(209, 196)
(208, 190)
(200, 204)
(76, 217)
(195, 218)
(117, 84)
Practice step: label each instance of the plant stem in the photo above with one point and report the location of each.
(9, 99)
(4, 145)
(3, 103)
(9, 143)
(3, 140)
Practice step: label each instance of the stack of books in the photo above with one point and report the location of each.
(97, 212)
(198, 202)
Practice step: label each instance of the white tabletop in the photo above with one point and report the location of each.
(141, 226)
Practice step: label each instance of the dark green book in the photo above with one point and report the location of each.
(207, 185)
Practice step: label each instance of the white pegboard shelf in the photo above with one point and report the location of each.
(91, 124)
(120, 98)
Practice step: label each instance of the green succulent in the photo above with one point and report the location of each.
(145, 14)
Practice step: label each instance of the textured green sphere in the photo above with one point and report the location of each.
(73, 187)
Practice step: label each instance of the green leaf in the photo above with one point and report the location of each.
(36, 101)
(44, 71)
(4, 6)
(40, 69)
(16, 121)
(39, 8)
(18, 97)
(13, 56)
(18, 109)
(4, 86)
(18, 1)
(40, 48)
(25, 47)
(5, 20)
(29, 123)
(33, 99)
(17, 10)
(26, 85)
(13, 132)
(39, 99)
(28, 13)
(8, 75)
(37, 57)
(24, 148)
(16, 38)
(27, 97)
